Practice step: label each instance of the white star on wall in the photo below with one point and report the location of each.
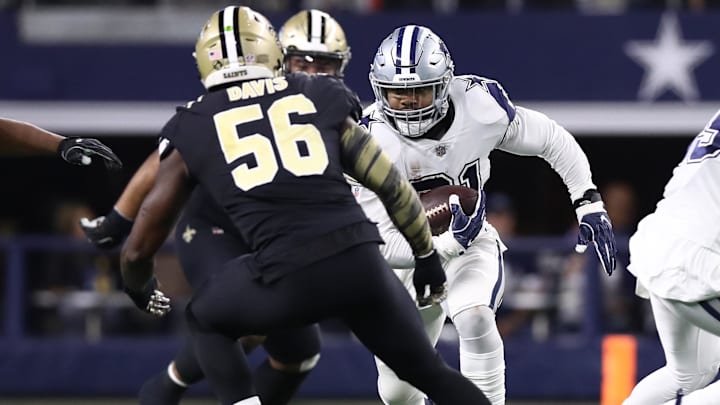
(669, 61)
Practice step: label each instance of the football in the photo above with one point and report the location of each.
(437, 208)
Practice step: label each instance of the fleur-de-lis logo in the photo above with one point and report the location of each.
(188, 234)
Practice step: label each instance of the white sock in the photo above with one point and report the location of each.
(482, 354)
(486, 371)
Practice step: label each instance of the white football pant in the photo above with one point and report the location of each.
(475, 291)
(690, 336)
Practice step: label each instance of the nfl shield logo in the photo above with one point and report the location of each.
(214, 55)
(441, 150)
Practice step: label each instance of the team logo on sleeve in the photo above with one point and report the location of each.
(188, 234)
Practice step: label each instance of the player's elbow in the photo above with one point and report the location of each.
(131, 257)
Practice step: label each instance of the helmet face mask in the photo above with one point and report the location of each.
(309, 63)
(235, 44)
(412, 57)
(315, 34)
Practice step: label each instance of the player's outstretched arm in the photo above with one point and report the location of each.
(110, 230)
(152, 226)
(19, 137)
(367, 163)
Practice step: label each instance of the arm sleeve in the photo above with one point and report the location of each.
(368, 164)
(532, 133)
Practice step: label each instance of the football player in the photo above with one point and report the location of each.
(205, 238)
(439, 129)
(675, 255)
(314, 42)
(19, 137)
(271, 151)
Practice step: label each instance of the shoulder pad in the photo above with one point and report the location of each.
(331, 95)
(494, 89)
(369, 115)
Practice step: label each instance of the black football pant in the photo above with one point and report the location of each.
(202, 249)
(356, 285)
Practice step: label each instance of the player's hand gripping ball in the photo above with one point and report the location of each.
(437, 207)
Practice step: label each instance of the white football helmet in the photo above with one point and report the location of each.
(412, 57)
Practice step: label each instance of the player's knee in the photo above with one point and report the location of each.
(295, 350)
(251, 342)
(193, 320)
(474, 323)
(692, 382)
(294, 346)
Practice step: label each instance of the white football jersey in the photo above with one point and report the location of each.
(675, 252)
(691, 200)
(484, 119)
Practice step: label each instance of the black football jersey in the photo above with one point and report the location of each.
(269, 153)
(202, 207)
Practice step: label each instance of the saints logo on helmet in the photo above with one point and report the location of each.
(315, 34)
(237, 43)
(412, 60)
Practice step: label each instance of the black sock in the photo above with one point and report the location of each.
(276, 387)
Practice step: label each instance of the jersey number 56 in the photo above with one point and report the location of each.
(286, 136)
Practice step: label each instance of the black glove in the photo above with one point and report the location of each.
(80, 151)
(150, 299)
(108, 231)
(429, 273)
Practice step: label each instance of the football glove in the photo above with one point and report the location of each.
(466, 228)
(595, 228)
(80, 151)
(150, 299)
(108, 231)
(429, 280)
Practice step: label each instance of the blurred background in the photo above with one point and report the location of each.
(633, 80)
